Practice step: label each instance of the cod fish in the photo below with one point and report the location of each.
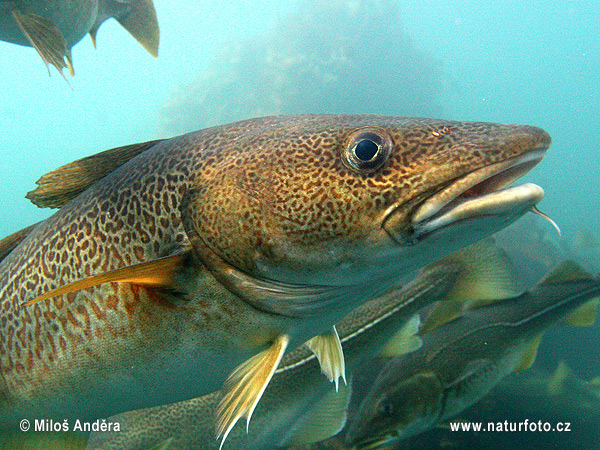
(461, 361)
(52, 27)
(171, 263)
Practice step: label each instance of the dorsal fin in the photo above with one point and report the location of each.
(486, 275)
(566, 271)
(63, 184)
(11, 241)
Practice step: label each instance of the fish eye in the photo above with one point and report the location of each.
(386, 408)
(367, 150)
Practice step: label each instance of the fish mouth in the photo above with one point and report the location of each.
(483, 192)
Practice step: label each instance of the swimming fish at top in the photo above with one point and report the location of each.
(461, 361)
(52, 27)
(171, 263)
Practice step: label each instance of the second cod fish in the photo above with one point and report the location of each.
(461, 361)
(52, 27)
(171, 263)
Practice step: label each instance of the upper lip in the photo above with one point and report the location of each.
(478, 183)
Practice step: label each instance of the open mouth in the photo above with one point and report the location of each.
(480, 193)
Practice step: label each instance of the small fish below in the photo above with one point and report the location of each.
(53, 27)
(462, 360)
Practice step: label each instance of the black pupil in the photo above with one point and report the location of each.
(366, 149)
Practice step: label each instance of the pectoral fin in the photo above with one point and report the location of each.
(245, 386)
(328, 350)
(155, 273)
(528, 357)
(404, 341)
(63, 184)
(326, 419)
(47, 39)
(557, 382)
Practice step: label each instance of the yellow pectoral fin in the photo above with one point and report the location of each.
(158, 272)
(142, 24)
(245, 386)
(47, 39)
(328, 350)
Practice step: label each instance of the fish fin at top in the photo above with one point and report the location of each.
(63, 184)
(486, 274)
(141, 22)
(326, 419)
(443, 312)
(327, 347)
(8, 243)
(47, 39)
(529, 355)
(557, 381)
(246, 385)
(566, 271)
(405, 340)
(155, 273)
(583, 316)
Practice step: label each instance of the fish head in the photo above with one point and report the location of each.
(394, 410)
(334, 200)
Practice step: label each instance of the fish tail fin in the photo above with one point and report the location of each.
(246, 385)
(141, 22)
(47, 39)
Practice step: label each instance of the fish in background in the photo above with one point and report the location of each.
(462, 360)
(174, 264)
(298, 406)
(535, 395)
(53, 27)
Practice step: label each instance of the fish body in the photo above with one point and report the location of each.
(461, 361)
(53, 27)
(235, 241)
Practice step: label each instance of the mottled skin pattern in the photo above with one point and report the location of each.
(269, 196)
